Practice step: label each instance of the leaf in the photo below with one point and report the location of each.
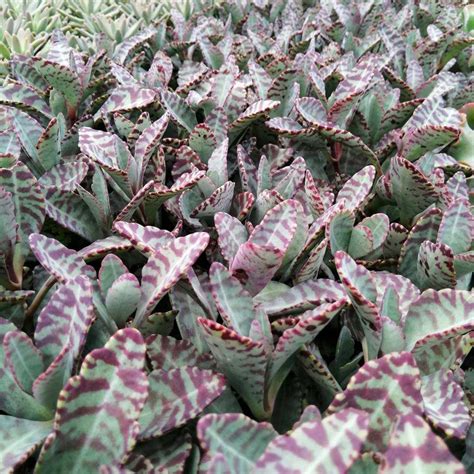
(361, 289)
(108, 394)
(384, 388)
(8, 225)
(236, 437)
(60, 335)
(258, 264)
(435, 317)
(425, 228)
(165, 268)
(308, 327)
(60, 78)
(146, 239)
(13, 400)
(125, 98)
(64, 176)
(316, 446)
(23, 359)
(123, 297)
(457, 227)
(301, 297)
(179, 110)
(231, 234)
(167, 353)
(234, 304)
(176, 396)
(24, 97)
(413, 447)
(148, 141)
(444, 404)
(20, 439)
(28, 201)
(242, 361)
(356, 190)
(436, 266)
(412, 191)
(219, 201)
(340, 231)
(64, 264)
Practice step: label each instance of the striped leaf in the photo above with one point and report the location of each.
(176, 396)
(315, 446)
(384, 388)
(239, 439)
(165, 267)
(106, 397)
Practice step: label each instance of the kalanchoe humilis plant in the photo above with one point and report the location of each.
(239, 239)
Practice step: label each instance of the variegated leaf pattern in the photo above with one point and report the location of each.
(424, 450)
(385, 388)
(313, 446)
(108, 394)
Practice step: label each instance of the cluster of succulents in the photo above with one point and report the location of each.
(237, 237)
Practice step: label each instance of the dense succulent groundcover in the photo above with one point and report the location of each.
(241, 240)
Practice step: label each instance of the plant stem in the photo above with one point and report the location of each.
(39, 297)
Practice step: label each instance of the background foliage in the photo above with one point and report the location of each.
(236, 236)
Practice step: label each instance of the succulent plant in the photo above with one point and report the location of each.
(237, 237)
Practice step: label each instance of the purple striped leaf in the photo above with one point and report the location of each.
(444, 403)
(148, 141)
(62, 263)
(167, 453)
(64, 176)
(278, 226)
(28, 200)
(435, 266)
(258, 264)
(361, 289)
(231, 234)
(219, 201)
(101, 247)
(126, 98)
(293, 339)
(312, 264)
(240, 440)
(257, 110)
(315, 446)
(356, 190)
(165, 267)
(384, 388)
(60, 335)
(167, 353)
(412, 190)
(413, 447)
(49, 143)
(8, 224)
(303, 296)
(24, 97)
(19, 441)
(434, 325)
(179, 110)
(108, 394)
(425, 228)
(242, 360)
(61, 78)
(177, 396)
(146, 239)
(457, 227)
